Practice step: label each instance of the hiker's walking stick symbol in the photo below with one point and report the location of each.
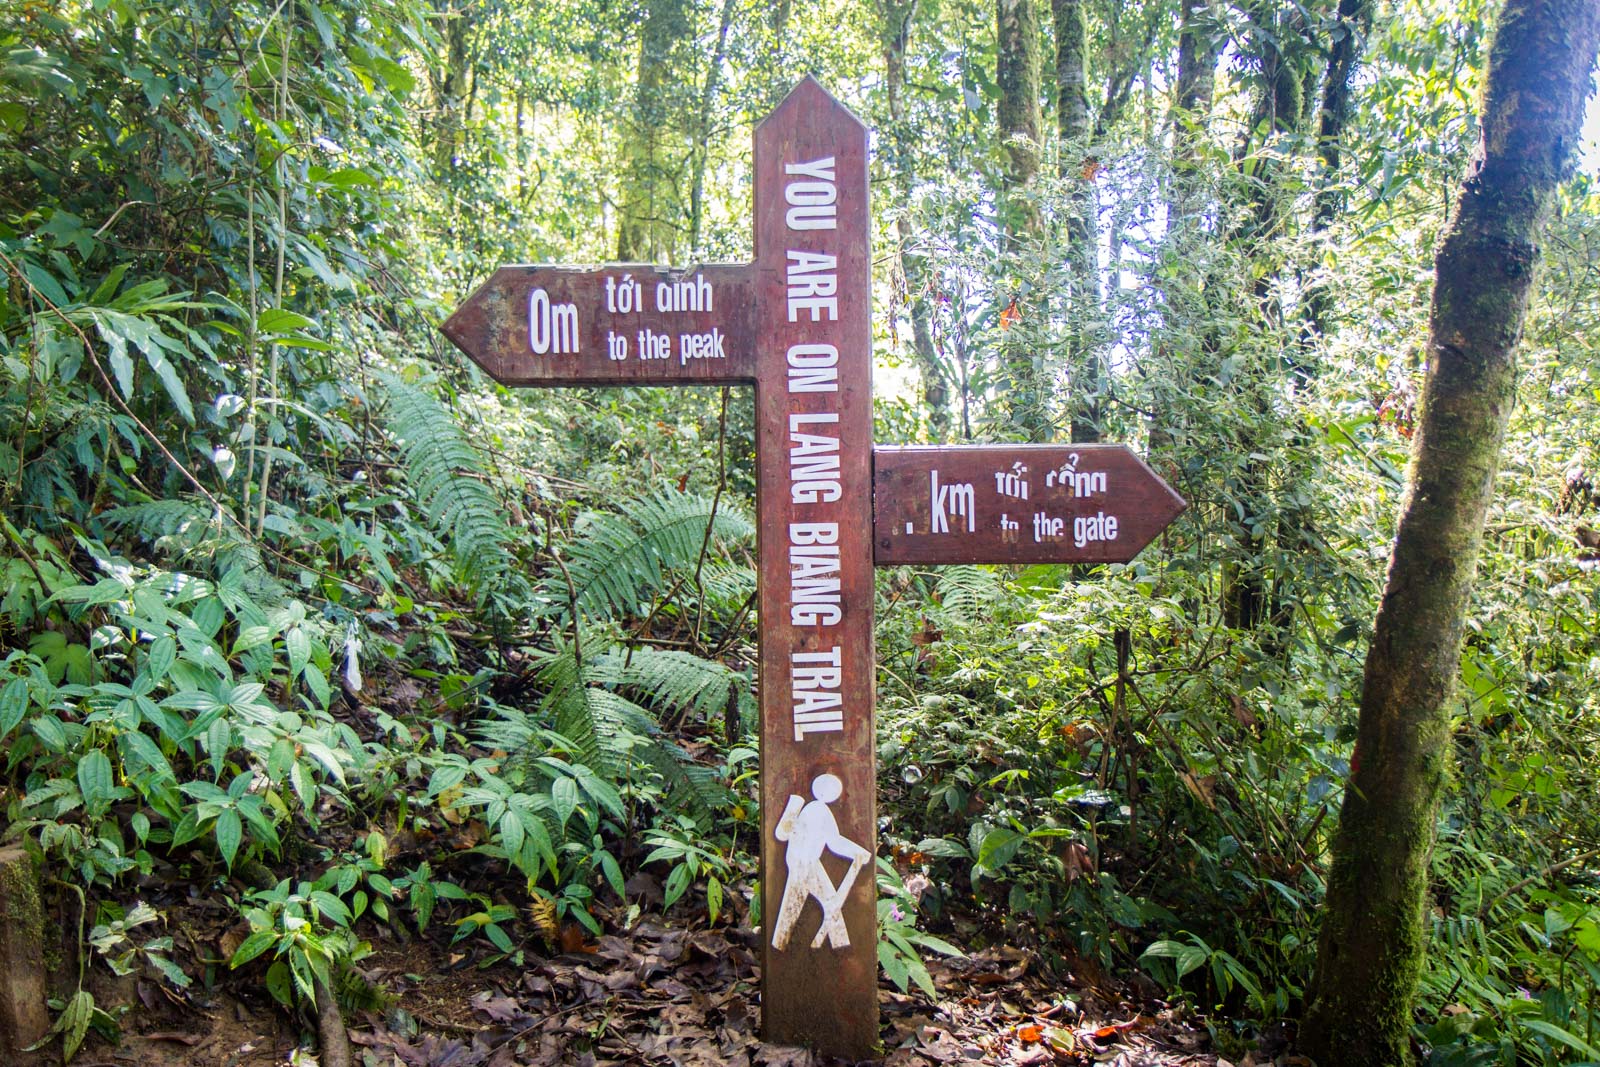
(809, 830)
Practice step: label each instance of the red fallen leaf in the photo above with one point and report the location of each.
(572, 940)
(1030, 1034)
(1011, 315)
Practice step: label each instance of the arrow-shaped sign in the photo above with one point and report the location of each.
(1016, 504)
(610, 325)
(796, 324)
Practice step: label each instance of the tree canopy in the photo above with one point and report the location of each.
(303, 611)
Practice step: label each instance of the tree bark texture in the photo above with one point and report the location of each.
(1018, 123)
(1186, 200)
(702, 148)
(1078, 169)
(651, 212)
(449, 82)
(1354, 18)
(1017, 114)
(1370, 952)
(1277, 39)
(895, 28)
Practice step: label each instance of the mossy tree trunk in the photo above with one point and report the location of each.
(1187, 201)
(1370, 953)
(895, 29)
(1018, 123)
(651, 223)
(1353, 20)
(24, 1018)
(1081, 230)
(1278, 40)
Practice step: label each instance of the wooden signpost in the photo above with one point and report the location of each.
(795, 324)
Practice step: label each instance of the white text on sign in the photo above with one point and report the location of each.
(815, 487)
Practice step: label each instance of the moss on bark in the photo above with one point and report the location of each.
(23, 1017)
(1374, 932)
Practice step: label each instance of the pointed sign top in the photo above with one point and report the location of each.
(808, 95)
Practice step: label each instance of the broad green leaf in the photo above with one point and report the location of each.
(298, 647)
(95, 780)
(999, 846)
(1557, 1034)
(254, 945)
(230, 832)
(14, 700)
(677, 884)
(279, 983)
(423, 896)
(564, 798)
(332, 908)
(280, 758)
(280, 320)
(501, 939)
(160, 657)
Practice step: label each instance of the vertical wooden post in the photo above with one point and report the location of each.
(814, 419)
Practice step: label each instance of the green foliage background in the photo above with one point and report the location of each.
(288, 583)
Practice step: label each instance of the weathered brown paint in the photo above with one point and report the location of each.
(796, 322)
(825, 997)
(1016, 504)
(492, 326)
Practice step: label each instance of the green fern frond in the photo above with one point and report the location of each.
(447, 474)
(187, 530)
(357, 993)
(690, 785)
(608, 732)
(668, 679)
(727, 584)
(967, 591)
(154, 520)
(618, 561)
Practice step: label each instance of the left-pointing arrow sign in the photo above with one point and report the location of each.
(623, 323)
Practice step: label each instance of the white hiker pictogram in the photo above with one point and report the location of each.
(809, 831)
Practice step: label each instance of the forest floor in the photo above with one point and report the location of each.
(656, 993)
(655, 989)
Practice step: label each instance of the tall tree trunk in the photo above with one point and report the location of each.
(1279, 108)
(708, 96)
(650, 213)
(1017, 114)
(449, 83)
(1191, 107)
(1353, 20)
(895, 28)
(1185, 200)
(1018, 121)
(1078, 169)
(1295, 525)
(1370, 952)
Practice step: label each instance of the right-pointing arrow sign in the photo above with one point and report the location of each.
(1016, 504)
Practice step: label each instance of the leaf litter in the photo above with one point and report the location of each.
(661, 994)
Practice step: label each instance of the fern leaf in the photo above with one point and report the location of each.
(618, 561)
(967, 591)
(669, 679)
(447, 474)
